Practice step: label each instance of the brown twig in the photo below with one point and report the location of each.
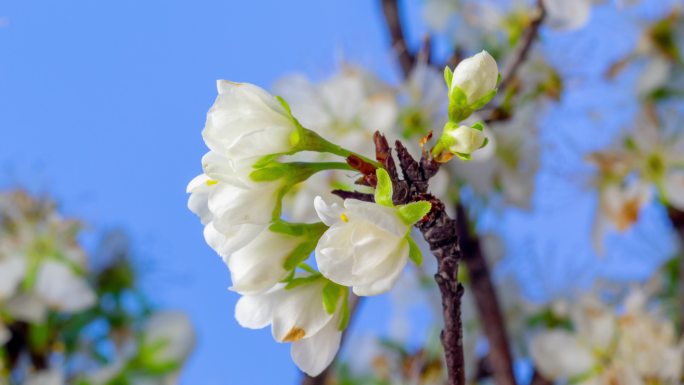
(390, 10)
(500, 360)
(524, 48)
(322, 379)
(499, 113)
(677, 219)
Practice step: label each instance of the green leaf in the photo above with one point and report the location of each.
(486, 142)
(331, 296)
(414, 251)
(414, 211)
(296, 282)
(300, 254)
(448, 75)
(383, 191)
(478, 126)
(346, 313)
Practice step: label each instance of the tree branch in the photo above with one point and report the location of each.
(500, 359)
(677, 219)
(521, 54)
(390, 10)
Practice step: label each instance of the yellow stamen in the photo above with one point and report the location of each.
(211, 182)
(344, 217)
(295, 334)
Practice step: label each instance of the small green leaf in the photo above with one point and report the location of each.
(463, 156)
(486, 142)
(448, 75)
(285, 105)
(331, 296)
(383, 191)
(414, 251)
(478, 126)
(296, 282)
(346, 314)
(300, 254)
(414, 211)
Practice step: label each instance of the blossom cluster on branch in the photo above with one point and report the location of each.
(62, 322)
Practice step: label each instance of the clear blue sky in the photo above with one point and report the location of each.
(102, 103)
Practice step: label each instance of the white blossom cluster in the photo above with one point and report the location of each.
(357, 245)
(49, 301)
(630, 344)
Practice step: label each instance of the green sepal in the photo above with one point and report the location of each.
(310, 234)
(331, 296)
(483, 100)
(414, 251)
(345, 317)
(299, 281)
(486, 142)
(458, 97)
(414, 211)
(383, 191)
(478, 126)
(448, 75)
(463, 156)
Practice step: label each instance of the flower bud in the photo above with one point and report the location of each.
(471, 85)
(476, 76)
(459, 140)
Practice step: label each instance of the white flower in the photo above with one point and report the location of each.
(605, 348)
(259, 265)
(12, 272)
(476, 76)
(567, 14)
(62, 289)
(247, 122)
(296, 315)
(618, 208)
(365, 247)
(465, 140)
(173, 332)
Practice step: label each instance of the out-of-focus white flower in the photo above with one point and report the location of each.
(172, 333)
(365, 247)
(507, 165)
(674, 188)
(12, 270)
(423, 103)
(41, 264)
(247, 122)
(567, 14)
(62, 289)
(46, 377)
(349, 107)
(618, 208)
(296, 315)
(606, 348)
(476, 77)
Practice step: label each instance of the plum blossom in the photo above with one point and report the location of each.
(606, 347)
(297, 315)
(476, 77)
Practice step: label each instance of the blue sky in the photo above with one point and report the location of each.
(102, 103)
